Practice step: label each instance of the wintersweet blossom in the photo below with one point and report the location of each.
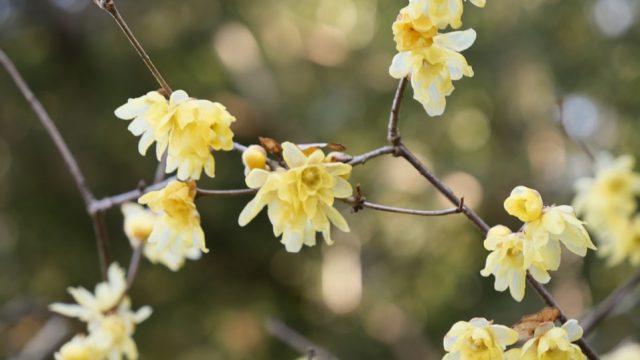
(551, 342)
(138, 225)
(79, 348)
(432, 60)
(299, 198)
(608, 201)
(441, 13)
(478, 339)
(254, 157)
(110, 321)
(176, 233)
(506, 262)
(546, 226)
(186, 128)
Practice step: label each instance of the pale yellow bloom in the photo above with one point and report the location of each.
(138, 225)
(557, 223)
(432, 60)
(187, 129)
(176, 233)
(300, 198)
(441, 13)
(478, 339)
(628, 351)
(254, 157)
(79, 348)
(608, 202)
(506, 262)
(551, 342)
(524, 203)
(545, 227)
(110, 320)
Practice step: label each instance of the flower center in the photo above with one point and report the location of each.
(311, 177)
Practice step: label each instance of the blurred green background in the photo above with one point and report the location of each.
(309, 71)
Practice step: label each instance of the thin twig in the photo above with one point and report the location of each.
(604, 308)
(110, 7)
(233, 192)
(393, 133)
(134, 263)
(115, 200)
(287, 335)
(403, 151)
(99, 226)
(50, 127)
(361, 159)
(102, 240)
(393, 209)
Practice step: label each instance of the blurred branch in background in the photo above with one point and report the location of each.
(70, 161)
(606, 306)
(46, 340)
(287, 335)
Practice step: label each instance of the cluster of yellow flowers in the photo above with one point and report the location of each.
(187, 129)
(110, 320)
(480, 339)
(608, 203)
(536, 247)
(430, 58)
(299, 198)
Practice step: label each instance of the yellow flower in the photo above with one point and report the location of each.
(628, 351)
(79, 348)
(524, 203)
(557, 223)
(441, 13)
(478, 339)
(300, 198)
(550, 342)
(176, 232)
(433, 61)
(254, 157)
(188, 129)
(506, 262)
(607, 203)
(110, 320)
(138, 225)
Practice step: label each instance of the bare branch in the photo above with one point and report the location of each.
(287, 335)
(393, 133)
(132, 195)
(363, 158)
(102, 240)
(367, 204)
(602, 310)
(50, 127)
(110, 7)
(233, 192)
(132, 271)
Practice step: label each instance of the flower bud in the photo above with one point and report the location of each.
(255, 157)
(524, 203)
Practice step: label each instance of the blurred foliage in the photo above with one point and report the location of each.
(309, 71)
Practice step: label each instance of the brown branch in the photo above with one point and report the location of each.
(134, 263)
(403, 151)
(604, 308)
(50, 127)
(393, 133)
(132, 195)
(360, 203)
(110, 7)
(281, 331)
(99, 226)
(233, 192)
(363, 158)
